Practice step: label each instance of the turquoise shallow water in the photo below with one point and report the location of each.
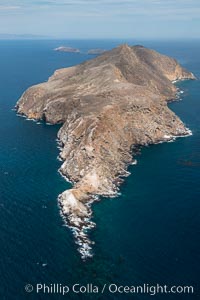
(149, 234)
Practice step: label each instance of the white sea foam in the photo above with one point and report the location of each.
(64, 176)
(188, 133)
(59, 147)
(44, 265)
(79, 227)
(20, 115)
(134, 162)
(58, 158)
(119, 194)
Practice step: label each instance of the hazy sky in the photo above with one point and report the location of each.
(102, 18)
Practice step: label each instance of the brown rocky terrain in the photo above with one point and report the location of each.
(96, 51)
(107, 105)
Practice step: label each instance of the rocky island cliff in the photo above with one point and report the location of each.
(108, 106)
(67, 49)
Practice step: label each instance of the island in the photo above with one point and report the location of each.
(108, 107)
(67, 49)
(96, 51)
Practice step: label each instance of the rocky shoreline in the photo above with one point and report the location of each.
(108, 106)
(81, 224)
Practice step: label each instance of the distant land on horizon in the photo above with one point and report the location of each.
(5, 36)
(12, 36)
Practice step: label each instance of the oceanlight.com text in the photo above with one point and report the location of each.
(152, 290)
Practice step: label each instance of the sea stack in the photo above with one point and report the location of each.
(107, 106)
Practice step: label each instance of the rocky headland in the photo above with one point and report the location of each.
(108, 106)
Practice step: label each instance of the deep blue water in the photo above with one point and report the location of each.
(150, 234)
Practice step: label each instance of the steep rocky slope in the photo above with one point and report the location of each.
(107, 105)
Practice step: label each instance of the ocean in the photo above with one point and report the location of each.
(150, 234)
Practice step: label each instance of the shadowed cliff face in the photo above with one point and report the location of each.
(107, 106)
